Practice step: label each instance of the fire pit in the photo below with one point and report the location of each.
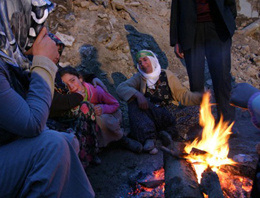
(197, 169)
(203, 165)
(148, 185)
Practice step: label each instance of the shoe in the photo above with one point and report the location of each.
(165, 137)
(149, 145)
(131, 144)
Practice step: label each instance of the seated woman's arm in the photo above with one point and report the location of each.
(127, 89)
(27, 117)
(106, 101)
(180, 93)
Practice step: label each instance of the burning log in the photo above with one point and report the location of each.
(180, 178)
(210, 184)
(174, 154)
(152, 183)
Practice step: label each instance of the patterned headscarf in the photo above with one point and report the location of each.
(153, 77)
(20, 23)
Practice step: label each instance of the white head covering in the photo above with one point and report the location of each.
(153, 77)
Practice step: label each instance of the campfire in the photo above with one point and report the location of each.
(148, 185)
(213, 143)
(203, 165)
(213, 152)
(200, 168)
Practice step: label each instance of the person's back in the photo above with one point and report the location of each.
(35, 161)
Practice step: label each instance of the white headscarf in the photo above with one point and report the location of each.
(153, 77)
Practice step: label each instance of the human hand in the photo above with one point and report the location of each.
(178, 51)
(241, 94)
(44, 46)
(141, 100)
(98, 110)
(97, 81)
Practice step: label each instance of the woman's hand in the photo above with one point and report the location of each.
(141, 100)
(97, 81)
(44, 46)
(98, 110)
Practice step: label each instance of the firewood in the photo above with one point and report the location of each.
(152, 183)
(174, 154)
(180, 178)
(210, 184)
(196, 151)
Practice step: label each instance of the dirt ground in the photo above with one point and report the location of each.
(110, 179)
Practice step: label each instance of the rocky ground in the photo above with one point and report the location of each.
(104, 40)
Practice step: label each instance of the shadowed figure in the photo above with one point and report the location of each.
(138, 41)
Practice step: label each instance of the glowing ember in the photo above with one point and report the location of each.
(214, 141)
(150, 186)
(234, 185)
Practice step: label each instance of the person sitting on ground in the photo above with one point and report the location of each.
(149, 92)
(62, 101)
(106, 110)
(35, 161)
(245, 96)
(60, 118)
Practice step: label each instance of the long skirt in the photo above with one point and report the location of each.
(146, 124)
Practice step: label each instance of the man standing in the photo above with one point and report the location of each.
(203, 29)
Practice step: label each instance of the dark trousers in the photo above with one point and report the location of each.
(212, 44)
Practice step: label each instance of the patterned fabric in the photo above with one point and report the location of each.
(58, 42)
(86, 130)
(21, 21)
(81, 122)
(161, 95)
(146, 124)
(187, 120)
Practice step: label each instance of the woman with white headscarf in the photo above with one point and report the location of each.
(35, 161)
(148, 93)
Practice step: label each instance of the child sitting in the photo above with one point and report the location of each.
(106, 109)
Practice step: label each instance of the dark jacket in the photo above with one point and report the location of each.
(184, 18)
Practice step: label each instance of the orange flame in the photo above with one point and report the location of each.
(214, 141)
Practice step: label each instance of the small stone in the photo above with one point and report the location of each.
(134, 4)
(102, 16)
(154, 151)
(93, 8)
(84, 4)
(242, 158)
